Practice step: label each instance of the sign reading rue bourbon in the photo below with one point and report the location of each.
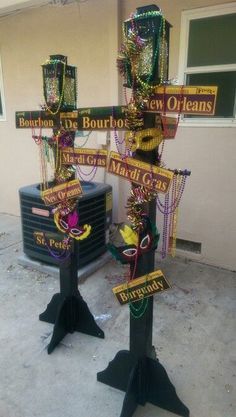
(95, 118)
(59, 193)
(150, 176)
(140, 288)
(83, 156)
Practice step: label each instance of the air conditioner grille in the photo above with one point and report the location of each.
(91, 210)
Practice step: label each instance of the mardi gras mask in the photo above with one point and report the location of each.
(136, 244)
(146, 139)
(68, 225)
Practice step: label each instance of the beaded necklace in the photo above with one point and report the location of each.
(62, 256)
(139, 311)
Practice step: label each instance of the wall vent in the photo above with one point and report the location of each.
(188, 246)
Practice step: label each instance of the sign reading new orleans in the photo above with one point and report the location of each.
(183, 99)
(141, 287)
(83, 156)
(59, 193)
(151, 176)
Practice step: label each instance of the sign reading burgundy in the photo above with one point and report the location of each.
(141, 173)
(141, 287)
(62, 192)
(83, 156)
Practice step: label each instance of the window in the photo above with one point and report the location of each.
(208, 57)
(2, 103)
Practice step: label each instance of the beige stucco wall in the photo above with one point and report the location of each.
(88, 35)
(207, 210)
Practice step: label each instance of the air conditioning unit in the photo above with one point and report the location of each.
(94, 208)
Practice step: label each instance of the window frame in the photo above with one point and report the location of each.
(184, 70)
(3, 115)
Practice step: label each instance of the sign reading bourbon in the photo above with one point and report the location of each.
(140, 288)
(83, 156)
(95, 118)
(150, 176)
(59, 193)
(36, 119)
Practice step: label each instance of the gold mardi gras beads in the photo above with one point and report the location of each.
(64, 173)
(134, 117)
(138, 196)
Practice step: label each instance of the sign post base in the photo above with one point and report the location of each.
(143, 380)
(67, 310)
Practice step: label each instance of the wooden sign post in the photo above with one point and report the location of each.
(67, 310)
(136, 371)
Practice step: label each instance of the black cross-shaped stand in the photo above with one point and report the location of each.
(137, 371)
(67, 310)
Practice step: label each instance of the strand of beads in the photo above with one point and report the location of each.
(173, 222)
(84, 175)
(62, 256)
(165, 228)
(137, 312)
(85, 141)
(178, 195)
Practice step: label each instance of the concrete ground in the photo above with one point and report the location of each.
(194, 335)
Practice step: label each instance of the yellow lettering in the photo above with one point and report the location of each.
(115, 167)
(147, 178)
(209, 106)
(139, 292)
(86, 124)
(164, 186)
(157, 286)
(149, 288)
(21, 122)
(123, 296)
(172, 103)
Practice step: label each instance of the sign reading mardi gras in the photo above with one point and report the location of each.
(62, 192)
(84, 156)
(141, 287)
(150, 176)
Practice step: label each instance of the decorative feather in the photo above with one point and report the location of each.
(130, 237)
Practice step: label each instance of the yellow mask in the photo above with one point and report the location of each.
(146, 139)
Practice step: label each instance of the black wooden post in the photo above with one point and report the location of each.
(67, 310)
(137, 371)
